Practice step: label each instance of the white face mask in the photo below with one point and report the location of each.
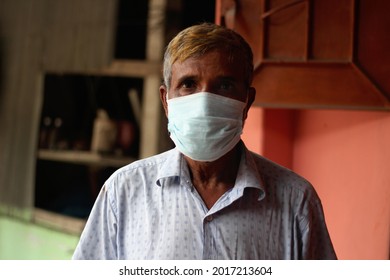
(205, 126)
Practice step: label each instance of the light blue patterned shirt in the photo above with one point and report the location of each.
(149, 209)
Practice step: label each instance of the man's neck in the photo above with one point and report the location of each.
(213, 179)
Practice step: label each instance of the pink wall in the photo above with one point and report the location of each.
(252, 135)
(346, 155)
(277, 143)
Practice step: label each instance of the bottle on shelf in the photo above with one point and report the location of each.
(104, 133)
(44, 133)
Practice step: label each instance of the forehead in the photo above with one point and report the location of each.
(213, 63)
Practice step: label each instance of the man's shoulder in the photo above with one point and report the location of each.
(285, 185)
(147, 163)
(147, 168)
(278, 176)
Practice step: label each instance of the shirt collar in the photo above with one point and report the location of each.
(247, 176)
(171, 166)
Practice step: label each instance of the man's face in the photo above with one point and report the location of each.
(213, 73)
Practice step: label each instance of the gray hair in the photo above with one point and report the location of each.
(197, 40)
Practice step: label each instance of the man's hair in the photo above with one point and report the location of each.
(200, 39)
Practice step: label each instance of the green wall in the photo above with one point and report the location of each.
(26, 241)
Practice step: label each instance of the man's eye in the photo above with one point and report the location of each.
(188, 84)
(226, 86)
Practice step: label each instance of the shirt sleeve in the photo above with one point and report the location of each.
(98, 239)
(316, 242)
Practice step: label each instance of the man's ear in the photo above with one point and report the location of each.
(163, 98)
(251, 98)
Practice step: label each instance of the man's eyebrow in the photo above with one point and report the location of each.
(227, 78)
(186, 78)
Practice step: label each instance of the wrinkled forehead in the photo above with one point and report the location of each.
(229, 54)
(212, 63)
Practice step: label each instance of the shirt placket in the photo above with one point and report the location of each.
(210, 223)
(209, 232)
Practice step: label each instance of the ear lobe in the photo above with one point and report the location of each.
(251, 98)
(163, 98)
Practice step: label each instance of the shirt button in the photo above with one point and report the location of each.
(209, 218)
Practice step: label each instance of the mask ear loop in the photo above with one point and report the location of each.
(166, 101)
(246, 109)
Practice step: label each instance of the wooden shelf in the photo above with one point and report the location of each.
(58, 222)
(89, 81)
(84, 157)
(316, 85)
(316, 55)
(120, 68)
